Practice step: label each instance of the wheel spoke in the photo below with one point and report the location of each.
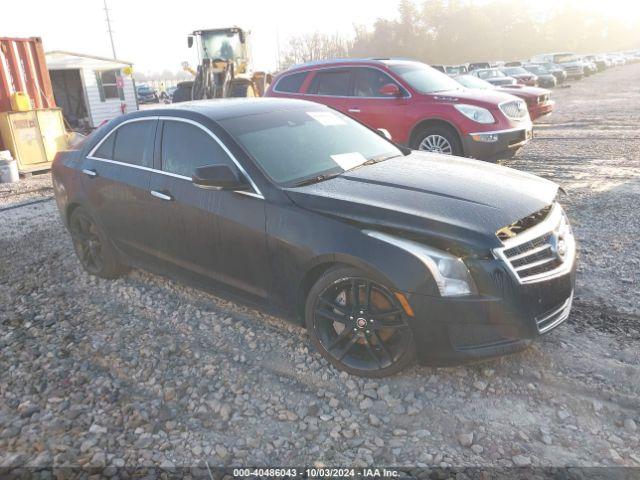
(343, 334)
(333, 305)
(355, 301)
(351, 343)
(331, 315)
(372, 352)
(383, 348)
(367, 296)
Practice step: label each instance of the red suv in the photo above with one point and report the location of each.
(419, 106)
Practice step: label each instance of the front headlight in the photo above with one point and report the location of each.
(449, 272)
(477, 114)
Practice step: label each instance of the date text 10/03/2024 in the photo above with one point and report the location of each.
(316, 472)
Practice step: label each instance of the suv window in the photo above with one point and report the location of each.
(333, 82)
(128, 143)
(368, 82)
(291, 83)
(186, 147)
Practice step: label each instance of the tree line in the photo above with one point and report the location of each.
(459, 31)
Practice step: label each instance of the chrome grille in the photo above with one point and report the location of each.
(544, 250)
(516, 109)
(573, 69)
(555, 316)
(534, 257)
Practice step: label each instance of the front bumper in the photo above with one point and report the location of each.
(491, 144)
(504, 319)
(540, 109)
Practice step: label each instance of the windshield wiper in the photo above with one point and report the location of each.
(312, 180)
(372, 160)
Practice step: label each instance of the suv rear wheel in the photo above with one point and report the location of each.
(437, 139)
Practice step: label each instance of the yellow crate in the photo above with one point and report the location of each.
(33, 137)
(20, 102)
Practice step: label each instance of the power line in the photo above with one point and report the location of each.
(106, 12)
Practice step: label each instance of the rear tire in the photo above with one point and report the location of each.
(437, 139)
(93, 248)
(369, 337)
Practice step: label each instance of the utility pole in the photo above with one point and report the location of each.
(113, 47)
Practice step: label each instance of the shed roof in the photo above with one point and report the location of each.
(57, 59)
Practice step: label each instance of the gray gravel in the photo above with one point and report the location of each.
(145, 371)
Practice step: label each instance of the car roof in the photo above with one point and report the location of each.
(219, 109)
(353, 61)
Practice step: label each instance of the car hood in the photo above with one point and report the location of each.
(443, 198)
(493, 97)
(524, 91)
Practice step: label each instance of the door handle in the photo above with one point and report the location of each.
(354, 110)
(161, 196)
(89, 172)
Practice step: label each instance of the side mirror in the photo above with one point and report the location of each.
(390, 90)
(190, 41)
(383, 132)
(219, 177)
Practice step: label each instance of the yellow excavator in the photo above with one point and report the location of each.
(224, 69)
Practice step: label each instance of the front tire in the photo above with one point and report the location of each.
(437, 139)
(358, 324)
(93, 248)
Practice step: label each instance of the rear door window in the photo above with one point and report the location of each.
(334, 82)
(106, 148)
(186, 147)
(130, 143)
(291, 83)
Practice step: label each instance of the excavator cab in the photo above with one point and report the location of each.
(225, 66)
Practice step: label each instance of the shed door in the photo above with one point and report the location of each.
(69, 95)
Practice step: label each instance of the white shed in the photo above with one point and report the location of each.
(91, 89)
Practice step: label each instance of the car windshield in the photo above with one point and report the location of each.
(296, 146)
(423, 78)
(145, 90)
(469, 81)
(493, 73)
(514, 71)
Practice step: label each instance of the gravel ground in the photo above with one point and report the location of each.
(145, 371)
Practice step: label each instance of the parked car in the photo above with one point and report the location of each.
(146, 94)
(494, 76)
(182, 93)
(456, 69)
(513, 64)
(544, 78)
(569, 61)
(420, 107)
(521, 75)
(589, 67)
(555, 70)
(479, 65)
(538, 100)
(383, 253)
(600, 61)
(440, 68)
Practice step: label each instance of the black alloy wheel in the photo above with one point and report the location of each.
(95, 252)
(359, 325)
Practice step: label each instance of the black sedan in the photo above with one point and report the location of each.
(545, 78)
(383, 253)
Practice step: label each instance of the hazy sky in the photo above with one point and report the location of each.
(152, 34)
